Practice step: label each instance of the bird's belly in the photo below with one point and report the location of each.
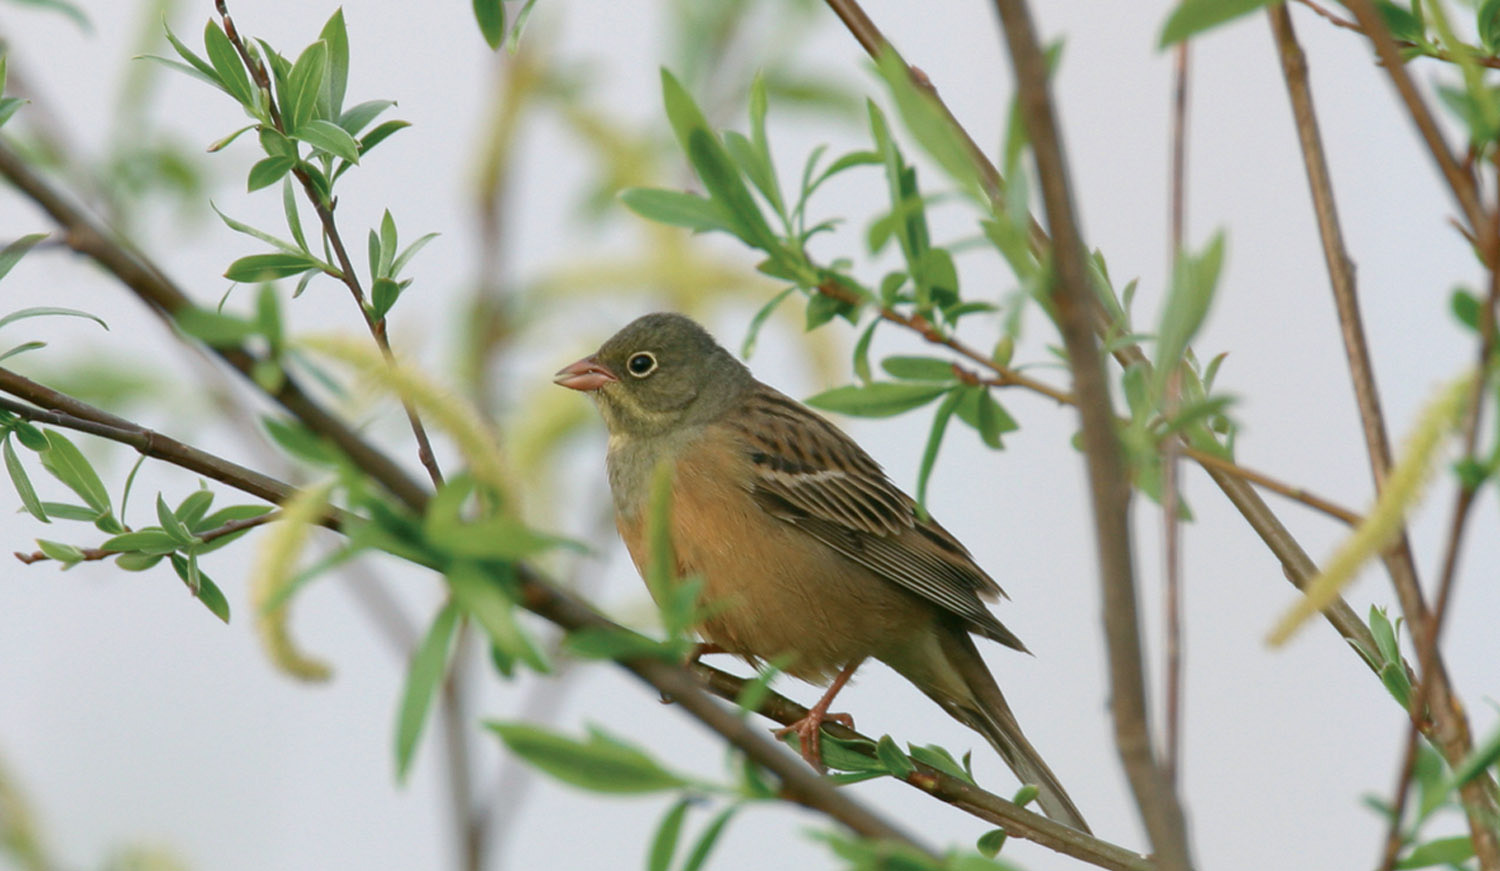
(773, 592)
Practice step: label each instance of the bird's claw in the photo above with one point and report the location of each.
(810, 736)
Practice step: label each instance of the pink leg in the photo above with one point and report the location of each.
(808, 728)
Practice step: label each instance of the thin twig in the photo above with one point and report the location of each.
(99, 553)
(1483, 60)
(1109, 484)
(1016, 820)
(1460, 183)
(324, 210)
(1172, 448)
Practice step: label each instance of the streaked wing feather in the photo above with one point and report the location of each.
(810, 474)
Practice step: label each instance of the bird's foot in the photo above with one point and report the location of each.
(809, 734)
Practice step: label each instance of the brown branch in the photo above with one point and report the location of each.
(1460, 183)
(1297, 494)
(324, 210)
(1109, 483)
(1172, 448)
(537, 594)
(1483, 60)
(88, 237)
(1449, 725)
(99, 553)
(1016, 820)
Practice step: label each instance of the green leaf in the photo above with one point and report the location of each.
(759, 321)
(228, 68)
(297, 250)
(708, 839)
(861, 360)
(411, 251)
(171, 524)
(604, 643)
(1487, 21)
(203, 587)
(1194, 281)
(215, 329)
(66, 554)
(11, 254)
(267, 172)
(22, 483)
(49, 311)
(979, 410)
(201, 66)
(599, 764)
(268, 267)
(1402, 23)
(64, 511)
(934, 442)
(1385, 636)
(490, 15)
(919, 368)
(877, 399)
(358, 117)
(68, 465)
(9, 106)
(1482, 757)
(336, 36)
(380, 134)
(753, 166)
(682, 111)
(231, 514)
(890, 756)
(990, 842)
(303, 85)
(329, 137)
(383, 295)
(676, 209)
(939, 758)
(424, 677)
(1465, 305)
(1195, 16)
(1443, 851)
(387, 243)
(192, 508)
(137, 562)
(151, 540)
(664, 844)
(722, 178)
(483, 599)
(932, 126)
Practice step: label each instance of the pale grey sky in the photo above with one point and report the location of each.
(128, 713)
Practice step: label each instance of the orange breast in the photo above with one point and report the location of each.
(774, 592)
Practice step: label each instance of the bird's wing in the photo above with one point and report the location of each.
(810, 474)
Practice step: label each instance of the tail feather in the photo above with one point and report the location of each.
(983, 708)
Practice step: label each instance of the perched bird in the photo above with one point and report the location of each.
(805, 547)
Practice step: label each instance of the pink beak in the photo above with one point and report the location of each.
(586, 375)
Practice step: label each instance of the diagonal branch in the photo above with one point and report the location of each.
(1108, 482)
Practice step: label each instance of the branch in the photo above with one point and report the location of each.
(88, 237)
(537, 594)
(324, 211)
(1016, 820)
(99, 553)
(1108, 482)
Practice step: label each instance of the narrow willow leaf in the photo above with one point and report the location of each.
(358, 117)
(381, 133)
(676, 209)
(668, 832)
(204, 69)
(490, 16)
(66, 554)
(1194, 282)
(877, 399)
(761, 316)
(11, 254)
(1443, 851)
(939, 758)
(482, 597)
(267, 172)
(411, 251)
(424, 676)
(1192, 17)
(170, 524)
(862, 352)
(919, 368)
(336, 36)
(598, 764)
(213, 328)
(22, 483)
(150, 540)
(49, 311)
(227, 66)
(329, 137)
(890, 755)
(709, 839)
(66, 463)
(303, 84)
(934, 442)
(268, 267)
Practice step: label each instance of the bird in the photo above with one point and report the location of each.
(807, 552)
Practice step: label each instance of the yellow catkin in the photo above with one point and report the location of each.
(1383, 524)
(275, 567)
(434, 403)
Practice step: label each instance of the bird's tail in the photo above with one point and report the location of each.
(980, 705)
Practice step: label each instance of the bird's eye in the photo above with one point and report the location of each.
(641, 363)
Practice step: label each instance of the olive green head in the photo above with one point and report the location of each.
(660, 372)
